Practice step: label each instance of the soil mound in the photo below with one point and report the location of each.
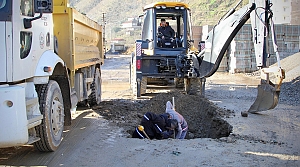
(203, 117)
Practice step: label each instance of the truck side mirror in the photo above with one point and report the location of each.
(41, 6)
(45, 5)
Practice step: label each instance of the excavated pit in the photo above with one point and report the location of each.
(205, 120)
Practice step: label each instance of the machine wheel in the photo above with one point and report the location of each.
(52, 107)
(187, 85)
(178, 82)
(95, 96)
(143, 85)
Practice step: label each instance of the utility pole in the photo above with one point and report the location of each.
(103, 33)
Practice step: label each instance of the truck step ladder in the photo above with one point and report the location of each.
(33, 120)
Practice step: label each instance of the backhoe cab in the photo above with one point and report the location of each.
(161, 55)
(177, 18)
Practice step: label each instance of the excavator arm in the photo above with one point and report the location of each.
(220, 37)
(223, 33)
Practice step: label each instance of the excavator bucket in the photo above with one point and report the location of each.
(267, 98)
(267, 93)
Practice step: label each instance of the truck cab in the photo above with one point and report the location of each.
(49, 61)
(21, 44)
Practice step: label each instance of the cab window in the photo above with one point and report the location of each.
(27, 8)
(2, 3)
(170, 23)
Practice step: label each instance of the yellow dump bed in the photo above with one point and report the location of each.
(80, 41)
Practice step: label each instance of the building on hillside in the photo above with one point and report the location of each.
(130, 25)
(282, 11)
(295, 14)
(286, 11)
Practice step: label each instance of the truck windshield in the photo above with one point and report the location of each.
(5, 10)
(2, 4)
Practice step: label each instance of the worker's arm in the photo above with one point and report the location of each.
(179, 131)
(166, 134)
(159, 32)
(172, 32)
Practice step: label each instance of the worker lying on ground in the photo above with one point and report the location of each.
(156, 126)
(182, 124)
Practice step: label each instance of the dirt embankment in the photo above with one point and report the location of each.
(203, 117)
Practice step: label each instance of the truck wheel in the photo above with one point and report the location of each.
(178, 82)
(143, 85)
(52, 107)
(187, 85)
(95, 96)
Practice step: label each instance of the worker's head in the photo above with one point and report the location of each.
(167, 23)
(172, 124)
(163, 22)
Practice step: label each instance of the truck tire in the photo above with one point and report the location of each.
(187, 85)
(143, 85)
(178, 82)
(95, 96)
(52, 107)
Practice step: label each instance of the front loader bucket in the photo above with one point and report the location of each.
(267, 98)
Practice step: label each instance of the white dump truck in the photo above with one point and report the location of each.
(50, 61)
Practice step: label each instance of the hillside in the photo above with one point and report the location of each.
(117, 11)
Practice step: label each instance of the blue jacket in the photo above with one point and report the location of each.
(154, 126)
(167, 31)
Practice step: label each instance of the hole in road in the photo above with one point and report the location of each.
(205, 120)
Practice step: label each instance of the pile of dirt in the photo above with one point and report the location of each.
(203, 117)
(291, 65)
(290, 92)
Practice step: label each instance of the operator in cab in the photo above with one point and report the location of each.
(165, 33)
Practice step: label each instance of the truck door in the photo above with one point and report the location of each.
(5, 22)
(29, 43)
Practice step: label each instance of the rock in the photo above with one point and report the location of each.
(244, 113)
(229, 140)
(191, 135)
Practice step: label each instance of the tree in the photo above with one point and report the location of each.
(116, 29)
